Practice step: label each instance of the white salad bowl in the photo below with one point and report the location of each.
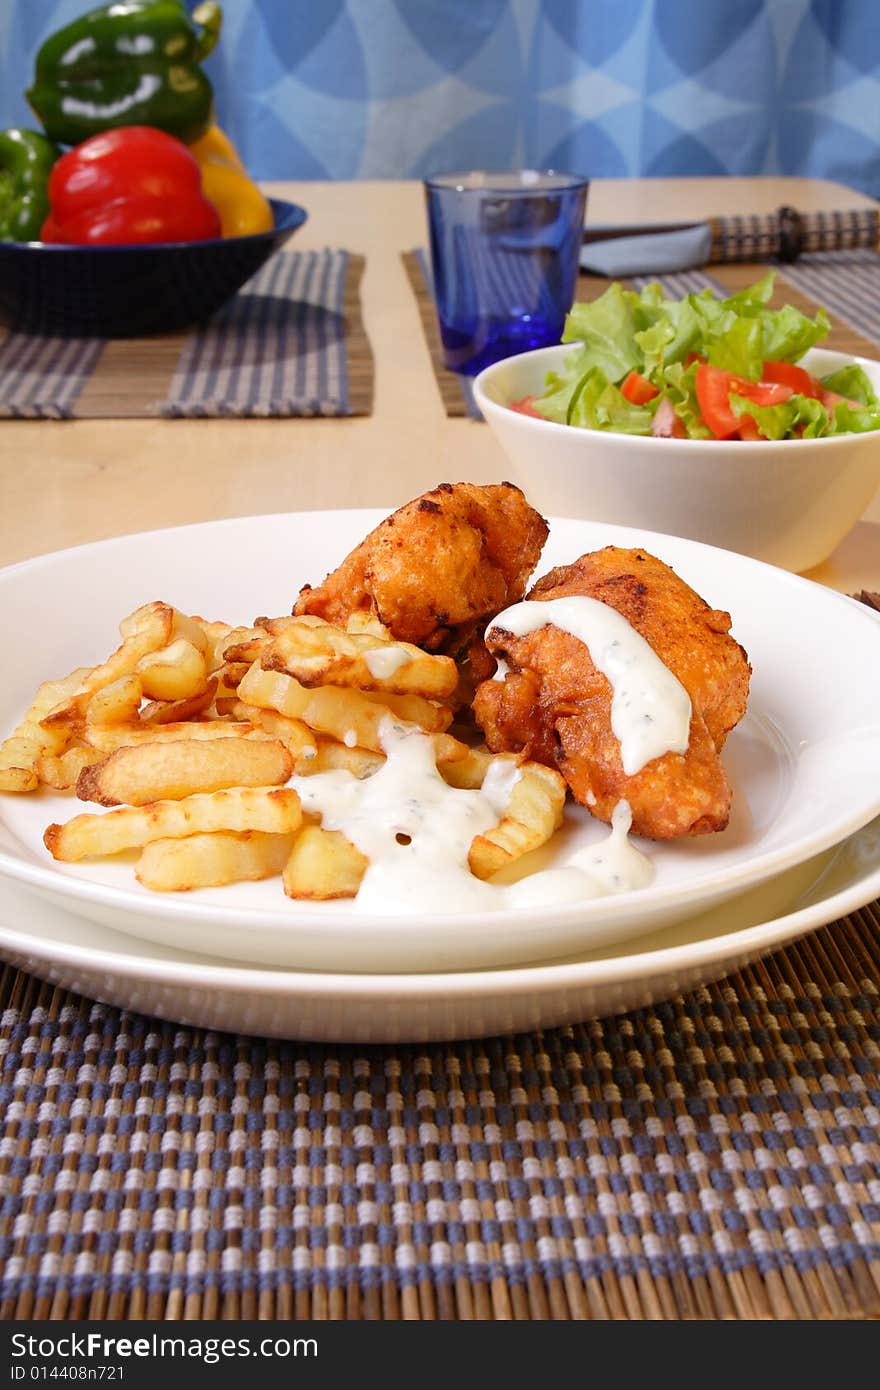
(789, 502)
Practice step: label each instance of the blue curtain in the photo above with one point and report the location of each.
(345, 89)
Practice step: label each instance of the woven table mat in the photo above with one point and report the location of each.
(455, 389)
(291, 342)
(716, 1156)
(847, 283)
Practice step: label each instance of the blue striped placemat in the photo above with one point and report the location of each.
(847, 283)
(291, 342)
(714, 1156)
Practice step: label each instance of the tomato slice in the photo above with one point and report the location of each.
(748, 429)
(763, 392)
(527, 407)
(638, 389)
(789, 374)
(713, 393)
(714, 388)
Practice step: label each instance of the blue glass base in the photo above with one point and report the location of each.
(469, 352)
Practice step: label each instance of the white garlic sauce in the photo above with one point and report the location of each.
(384, 662)
(416, 832)
(614, 865)
(502, 670)
(414, 829)
(650, 708)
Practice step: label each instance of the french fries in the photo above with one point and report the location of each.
(176, 672)
(143, 632)
(209, 861)
(321, 654)
(245, 652)
(62, 772)
(533, 812)
(180, 711)
(190, 729)
(323, 864)
(157, 772)
(275, 625)
(331, 756)
(216, 636)
(269, 690)
(468, 773)
(118, 702)
(273, 811)
(412, 709)
(111, 736)
(231, 673)
(365, 621)
(352, 716)
(293, 733)
(31, 739)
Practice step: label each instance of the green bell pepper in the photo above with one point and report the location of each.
(26, 159)
(135, 63)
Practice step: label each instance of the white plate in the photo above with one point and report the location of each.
(805, 763)
(76, 954)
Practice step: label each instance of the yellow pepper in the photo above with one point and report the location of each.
(225, 183)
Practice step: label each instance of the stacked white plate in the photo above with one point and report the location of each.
(801, 848)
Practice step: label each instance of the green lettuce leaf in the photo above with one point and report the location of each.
(752, 299)
(782, 421)
(851, 381)
(674, 329)
(560, 387)
(606, 327)
(739, 349)
(597, 404)
(854, 419)
(788, 333)
(680, 385)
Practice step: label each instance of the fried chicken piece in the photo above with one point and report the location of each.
(556, 706)
(439, 568)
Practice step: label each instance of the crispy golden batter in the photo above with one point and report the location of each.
(556, 706)
(437, 569)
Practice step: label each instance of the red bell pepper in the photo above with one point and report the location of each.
(133, 184)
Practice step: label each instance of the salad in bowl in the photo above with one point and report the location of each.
(638, 418)
(700, 368)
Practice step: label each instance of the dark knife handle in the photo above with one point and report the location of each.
(786, 234)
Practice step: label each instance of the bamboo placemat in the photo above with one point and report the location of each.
(716, 1156)
(291, 342)
(455, 390)
(847, 283)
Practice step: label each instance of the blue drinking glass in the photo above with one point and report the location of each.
(504, 255)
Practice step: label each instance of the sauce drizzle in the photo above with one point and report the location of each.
(384, 662)
(416, 831)
(650, 708)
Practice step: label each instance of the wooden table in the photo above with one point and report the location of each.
(68, 482)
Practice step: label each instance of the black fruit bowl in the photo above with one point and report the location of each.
(126, 291)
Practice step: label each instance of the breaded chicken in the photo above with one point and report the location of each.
(556, 706)
(439, 568)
